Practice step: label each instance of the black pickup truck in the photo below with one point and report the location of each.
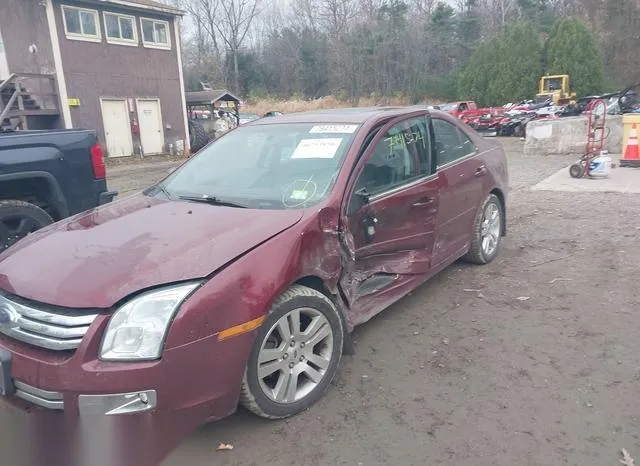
(46, 176)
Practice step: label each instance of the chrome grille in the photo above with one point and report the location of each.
(37, 396)
(51, 328)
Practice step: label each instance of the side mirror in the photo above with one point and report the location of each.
(363, 195)
(359, 199)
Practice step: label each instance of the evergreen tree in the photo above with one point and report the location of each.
(572, 49)
(505, 69)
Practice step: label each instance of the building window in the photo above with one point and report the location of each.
(120, 29)
(81, 24)
(155, 33)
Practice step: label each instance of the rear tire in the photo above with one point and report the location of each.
(197, 136)
(295, 356)
(487, 231)
(18, 219)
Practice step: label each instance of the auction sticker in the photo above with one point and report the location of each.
(337, 129)
(324, 148)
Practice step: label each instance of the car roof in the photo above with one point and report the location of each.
(336, 115)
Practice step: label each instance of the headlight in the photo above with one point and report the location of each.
(138, 328)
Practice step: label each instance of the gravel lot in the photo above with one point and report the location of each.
(530, 360)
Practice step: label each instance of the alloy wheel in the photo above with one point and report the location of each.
(490, 229)
(295, 355)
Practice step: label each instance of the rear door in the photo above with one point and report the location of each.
(151, 131)
(388, 240)
(117, 132)
(461, 171)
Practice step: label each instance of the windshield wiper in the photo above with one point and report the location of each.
(212, 200)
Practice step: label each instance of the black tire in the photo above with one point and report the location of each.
(576, 170)
(197, 136)
(252, 396)
(18, 219)
(476, 254)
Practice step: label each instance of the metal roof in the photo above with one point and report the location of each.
(209, 97)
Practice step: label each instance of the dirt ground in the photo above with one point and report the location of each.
(530, 360)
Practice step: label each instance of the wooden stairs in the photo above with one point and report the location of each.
(29, 101)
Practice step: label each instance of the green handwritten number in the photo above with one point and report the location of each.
(393, 142)
(404, 138)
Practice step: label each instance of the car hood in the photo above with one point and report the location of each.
(96, 258)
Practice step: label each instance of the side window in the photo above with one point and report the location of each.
(450, 142)
(402, 156)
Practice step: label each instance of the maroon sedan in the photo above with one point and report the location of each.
(238, 278)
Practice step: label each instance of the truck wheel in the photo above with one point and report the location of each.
(487, 232)
(197, 136)
(18, 219)
(295, 356)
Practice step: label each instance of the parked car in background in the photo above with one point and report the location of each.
(46, 176)
(239, 279)
(457, 108)
(247, 117)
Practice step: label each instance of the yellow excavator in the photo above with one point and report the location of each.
(555, 87)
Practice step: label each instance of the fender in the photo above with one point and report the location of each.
(58, 199)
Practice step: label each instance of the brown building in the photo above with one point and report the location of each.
(110, 65)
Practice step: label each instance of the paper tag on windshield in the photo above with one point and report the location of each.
(317, 148)
(337, 129)
(298, 195)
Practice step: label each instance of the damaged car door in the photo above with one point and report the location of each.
(389, 217)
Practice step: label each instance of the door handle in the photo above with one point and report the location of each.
(425, 201)
(481, 170)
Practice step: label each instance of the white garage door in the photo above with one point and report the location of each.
(117, 131)
(151, 134)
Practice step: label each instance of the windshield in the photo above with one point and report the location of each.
(276, 166)
(448, 107)
(552, 84)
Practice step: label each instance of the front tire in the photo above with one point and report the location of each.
(487, 232)
(295, 356)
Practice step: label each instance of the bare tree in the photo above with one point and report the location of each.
(338, 14)
(233, 25)
(203, 39)
(424, 7)
(305, 14)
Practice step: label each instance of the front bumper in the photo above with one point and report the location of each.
(89, 405)
(140, 410)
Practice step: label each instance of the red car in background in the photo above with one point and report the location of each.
(238, 278)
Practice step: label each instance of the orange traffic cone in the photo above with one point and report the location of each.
(631, 156)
